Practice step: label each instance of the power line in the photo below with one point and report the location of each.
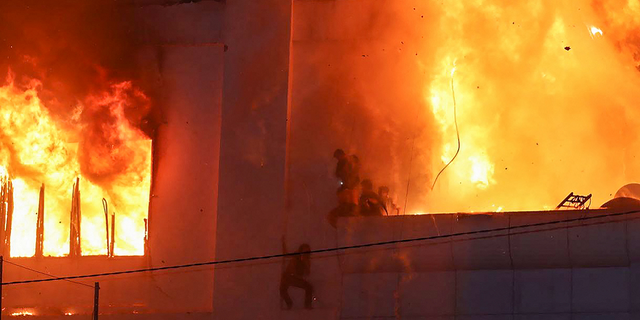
(46, 274)
(351, 247)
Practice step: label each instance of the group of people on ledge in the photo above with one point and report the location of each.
(355, 197)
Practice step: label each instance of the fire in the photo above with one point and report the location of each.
(22, 313)
(541, 110)
(37, 149)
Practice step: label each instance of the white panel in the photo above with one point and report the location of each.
(356, 231)
(369, 295)
(603, 316)
(431, 293)
(565, 316)
(491, 251)
(633, 233)
(546, 249)
(430, 254)
(634, 284)
(484, 292)
(486, 317)
(601, 290)
(543, 291)
(601, 245)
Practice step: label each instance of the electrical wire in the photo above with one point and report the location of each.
(46, 274)
(343, 248)
(455, 120)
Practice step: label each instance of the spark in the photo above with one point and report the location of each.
(594, 31)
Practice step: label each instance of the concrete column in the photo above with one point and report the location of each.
(183, 201)
(253, 156)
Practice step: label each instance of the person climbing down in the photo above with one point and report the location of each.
(347, 170)
(348, 174)
(298, 267)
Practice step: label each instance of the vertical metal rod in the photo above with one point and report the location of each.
(75, 222)
(113, 235)
(9, 225)
(40, 224)
(3, 209)
(146, 237)
(105, 207)
(72, 222)
(96, 300)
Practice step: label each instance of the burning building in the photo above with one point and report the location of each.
(141, 134)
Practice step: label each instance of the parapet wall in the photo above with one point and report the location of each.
(583, 269)
(608, 241)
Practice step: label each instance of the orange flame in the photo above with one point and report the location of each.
(543, 110)
(35, 149)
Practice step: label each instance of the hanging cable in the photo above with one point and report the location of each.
(485, 232)
(455, 120)
(46, 274)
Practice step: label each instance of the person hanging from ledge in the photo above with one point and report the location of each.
(297, 269)
(370, 204)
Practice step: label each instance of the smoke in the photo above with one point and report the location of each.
(546, 105)
(78, 51)
(357, 84)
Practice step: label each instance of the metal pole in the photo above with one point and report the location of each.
(96, 300)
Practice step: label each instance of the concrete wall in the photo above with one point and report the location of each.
(253, 156)
(184, 200)
(520, 274)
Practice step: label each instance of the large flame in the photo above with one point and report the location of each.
(35, 149)
(546, 99)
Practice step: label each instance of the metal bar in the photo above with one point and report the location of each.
(40, 224)
(7, 234)
(96, 300)
(113, 234)
(78, 218)
(75, 249)
(565, 200)
(105, 207)
(146, 237)
(72, 228)
(3, 210)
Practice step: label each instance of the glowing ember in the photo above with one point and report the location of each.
(595, 31)
(36, 149)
